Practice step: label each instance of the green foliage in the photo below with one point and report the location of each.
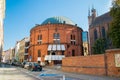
(114, 31)
(118, 2)
(99, 46)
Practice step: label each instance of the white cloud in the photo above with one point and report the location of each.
(109, 4)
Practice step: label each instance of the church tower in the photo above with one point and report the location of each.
(91, 16)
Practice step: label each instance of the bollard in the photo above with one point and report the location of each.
(63, 77)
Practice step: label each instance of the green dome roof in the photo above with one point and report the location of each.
(58, 20)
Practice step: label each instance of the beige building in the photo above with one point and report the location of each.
(23, 49)
(7, 56)
(2, 15)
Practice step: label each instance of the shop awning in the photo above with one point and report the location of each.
(56, 47)
(54, 57)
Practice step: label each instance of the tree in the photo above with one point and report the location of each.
(118, 2)
(100, 46)
(114, 31)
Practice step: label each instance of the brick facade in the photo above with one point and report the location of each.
(103, 64)
(99, 33)
(47, 31)
(84, 64)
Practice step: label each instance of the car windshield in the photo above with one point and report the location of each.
(35, 64)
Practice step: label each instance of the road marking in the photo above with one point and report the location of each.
(29, 73)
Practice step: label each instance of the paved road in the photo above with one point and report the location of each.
(68, 76)
(8, 72)
(75, 76)
(15, 73)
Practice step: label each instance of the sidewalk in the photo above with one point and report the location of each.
(57, 70)
(68, 76)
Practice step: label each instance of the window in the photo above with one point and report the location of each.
(103, 32)
(62, 52)
(56, 38)
(73, 41)
(85, 49)
(39, 53)
(39, 39)
(53, 53)
(26, 50)
(71, 37)
(27, 44)
(73, 52)
(95, 34)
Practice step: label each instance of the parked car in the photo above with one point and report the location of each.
(36, 67)
(23, 64)
(33, 66)
(16, 64)
(26, 66)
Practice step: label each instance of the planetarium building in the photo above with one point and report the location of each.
(56, 38)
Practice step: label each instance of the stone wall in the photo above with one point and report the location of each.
(103, 64)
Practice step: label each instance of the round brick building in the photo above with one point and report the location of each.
(54, 39)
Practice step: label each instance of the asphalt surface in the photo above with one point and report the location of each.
(8, 72)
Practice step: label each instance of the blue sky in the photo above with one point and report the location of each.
(22, 15)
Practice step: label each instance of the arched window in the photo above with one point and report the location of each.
(39, 53)
(73, 52)
(103, 32)
(56, 38)
(39, 39)
(95, 34)
(73, 41)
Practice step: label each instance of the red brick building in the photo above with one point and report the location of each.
(98, 27)
(54, 39)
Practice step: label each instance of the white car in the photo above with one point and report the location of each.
(28, 64)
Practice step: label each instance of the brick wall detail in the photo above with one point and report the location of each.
(103, 64)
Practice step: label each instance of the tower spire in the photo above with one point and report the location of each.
(92, 6)
(89, 11)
